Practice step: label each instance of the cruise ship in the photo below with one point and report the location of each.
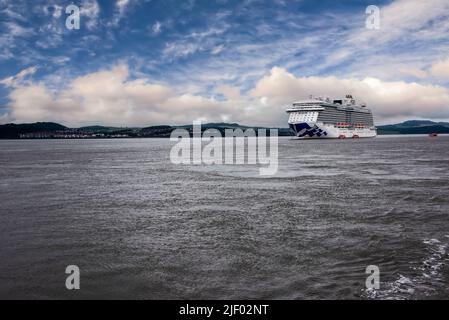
(319, 117)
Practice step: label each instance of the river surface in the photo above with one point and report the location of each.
(140, 227)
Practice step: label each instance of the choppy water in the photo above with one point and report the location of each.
(141, 227)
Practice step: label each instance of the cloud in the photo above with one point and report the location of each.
(218, 49)
(198, 41)
(181, 49)
(16, 30)
(108, 97)
(54, 10)
(388, 100)
(90, 10)
(120, 8)
(12, 34)
(12, 14)
(411, 33)
(230, 92)
(121, 4)
(415, 72)
(5, 118)
(404, 18)
(18, 79)
(440, 68)
(157, 27)
(111, 97)
(57, 11)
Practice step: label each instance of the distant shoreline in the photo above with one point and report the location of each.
(388, 135)
(51, 130)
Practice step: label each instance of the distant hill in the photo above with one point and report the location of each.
(98, 129)
(414, 127)
(416, 123)
(12, 131)
(156, 131)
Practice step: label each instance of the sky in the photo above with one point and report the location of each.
(149, 62)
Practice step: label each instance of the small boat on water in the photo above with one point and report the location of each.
(433, 134)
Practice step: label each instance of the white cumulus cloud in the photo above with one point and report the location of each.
(389, 100)
(441, 68)
(112, 97)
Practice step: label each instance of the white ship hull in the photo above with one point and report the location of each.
(314, 130)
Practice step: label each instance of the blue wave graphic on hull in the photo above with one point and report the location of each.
(303, 129)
